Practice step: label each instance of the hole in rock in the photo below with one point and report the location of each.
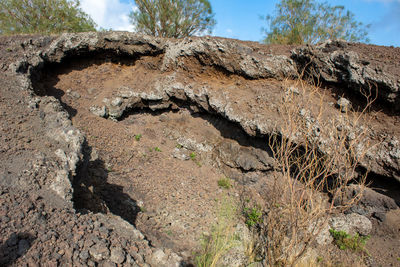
(158, 170)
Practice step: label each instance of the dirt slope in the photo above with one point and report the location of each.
(112, 144)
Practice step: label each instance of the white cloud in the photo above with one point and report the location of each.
(109, 14)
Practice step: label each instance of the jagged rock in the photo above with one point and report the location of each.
(117, 255)
(351, 223)
(99, 251)
(371, 202)
(252, 109)
(334, 60)
(337, 62)
(23, 246)
(181, 154)
(248, 159)
(99, 111)
(344, 104)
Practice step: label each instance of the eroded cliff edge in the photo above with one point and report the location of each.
(235, 81)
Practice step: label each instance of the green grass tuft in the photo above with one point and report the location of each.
(345, 241)
(225, 183)
(253, 216)
(222, 237)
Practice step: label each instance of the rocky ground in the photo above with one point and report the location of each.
(112, 144)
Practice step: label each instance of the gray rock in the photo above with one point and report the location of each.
(344, 104)
(158, 258)
(23, 246)
(181, 154)
(117, 255)
(12, 240)
(335, 62)
(236, 256)
(236, 156)
(99, 111)
(351, 224)
(130, 261)
(91, 90)
(107, 264)
(116, 102)
(371, 202)
(74, 94)
(84, 255)
(99, 251)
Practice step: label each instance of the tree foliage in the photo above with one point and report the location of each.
(309, 22)
(43, 16)
(173, 18)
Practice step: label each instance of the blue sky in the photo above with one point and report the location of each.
(240, 19)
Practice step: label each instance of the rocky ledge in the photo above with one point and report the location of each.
(239, 82)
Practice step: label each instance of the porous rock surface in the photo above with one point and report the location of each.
(37, 173)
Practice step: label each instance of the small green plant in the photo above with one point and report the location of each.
(345, 241)
(142, 209)
(9, 49)
(398, 259)
(157, 149)
(138, 137)
(319, 259)
(169, 232)
(224, 183)
(253, 216)
(179, 146)
(193, 157)
(109, 169)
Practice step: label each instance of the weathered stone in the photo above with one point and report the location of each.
(158, 258)
(84, 255)
(99, 111)
(335, 62)
(117, 255)
(23, 246)
(99, 251)
(247, 159)
(351, 223)
(344, 104)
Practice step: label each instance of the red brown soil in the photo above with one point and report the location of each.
(175, 199)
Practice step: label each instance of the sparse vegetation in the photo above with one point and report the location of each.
(142, 209)
(138, 137)
(109, 169)
(345, 241)
(253, 216)
(169, 232)
(309, 169)
(157, 149)
(225, 183)
(222, 237)
(193, 157)
(178, 146)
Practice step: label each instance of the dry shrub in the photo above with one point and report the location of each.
(317, 150)
(222, 237)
